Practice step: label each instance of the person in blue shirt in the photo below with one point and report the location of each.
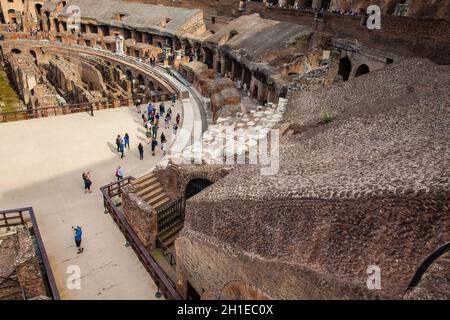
(77, 233)
(149, 108)
(122, 149)
(127, 141)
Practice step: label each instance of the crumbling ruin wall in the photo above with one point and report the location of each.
(227, 96)
(405, 36)
(192, 69)
(18, 256)
(140, 217)
(333, 242)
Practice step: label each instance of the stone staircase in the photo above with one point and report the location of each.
(150, 190)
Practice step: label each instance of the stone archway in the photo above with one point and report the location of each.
(362, 69)
(34, 55)
(196, 186)
(141, 80)
(208, 56)
(129, 75)
(345, 68)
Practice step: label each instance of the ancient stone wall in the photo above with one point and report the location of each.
(335, 242)
(406, 36)
(141, 218)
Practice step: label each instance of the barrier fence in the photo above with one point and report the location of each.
(162, 281)
(89, 107)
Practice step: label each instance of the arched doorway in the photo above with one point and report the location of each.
(345, 67)
(12, 16)
(188, 52)
(129, 75)
(151, 85)
(195, 186)
(33, 54)
(16, 51)
(141, 80)
(208, 57)
(362, 69)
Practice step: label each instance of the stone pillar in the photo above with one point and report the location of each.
(222, 65)
(233, 69)
(214, 60)
(167, 53)
(119, 45)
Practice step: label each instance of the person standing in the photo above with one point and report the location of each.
(127, 141)
(149, 108)
(166, 122)
(148, 134)
(154, 144)
(155, 131)
(162, 109)
(118, 142)
(122, 149)
(177, 119)
(174, 98)
(141, 151)
(175, 128)
(137, 106)
(163, 139)
(87, 182)
(119, 173)
(77, 234)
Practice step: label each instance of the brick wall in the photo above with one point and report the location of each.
(306, 248)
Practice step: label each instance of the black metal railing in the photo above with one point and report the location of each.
(426, 264)
(167, 253)
(162, 281)
(170, 215)
(9, 218)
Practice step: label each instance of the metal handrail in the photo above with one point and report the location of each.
(166, 251)
(159, 276)
(74, 108)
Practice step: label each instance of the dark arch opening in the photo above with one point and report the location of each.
(129, 75)
(140, 79)
(345, 67)
(38, 8)
(16, 51)
(56, 23)
(362, 69)
(33, 54)
(195, 186)
(208, 57)
(151, 85)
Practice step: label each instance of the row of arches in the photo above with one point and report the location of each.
(345, 69)
(140, 79)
